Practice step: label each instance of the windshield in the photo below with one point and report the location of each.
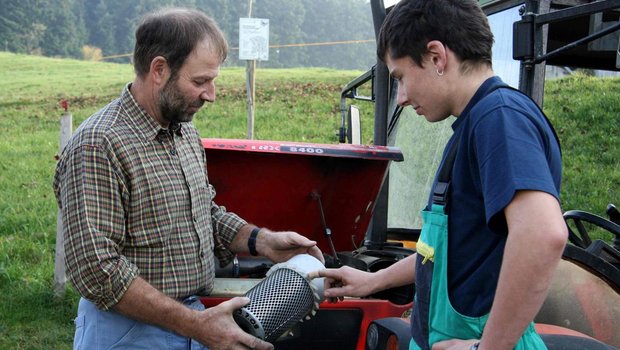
(422, 143)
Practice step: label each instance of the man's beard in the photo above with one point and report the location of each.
(173, 105)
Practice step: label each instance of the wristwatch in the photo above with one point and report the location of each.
(475, 346)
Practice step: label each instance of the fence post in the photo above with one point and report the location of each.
(251, 91)
(250, 84)
(60, 277)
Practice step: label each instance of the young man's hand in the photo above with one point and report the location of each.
(346, 281)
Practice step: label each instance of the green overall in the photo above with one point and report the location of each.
(444, 322)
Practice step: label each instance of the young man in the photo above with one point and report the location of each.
(488, 249)
(141, 227)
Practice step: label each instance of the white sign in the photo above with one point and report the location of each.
(254, 39)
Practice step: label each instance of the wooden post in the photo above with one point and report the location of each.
(250, 86)
(60, 277)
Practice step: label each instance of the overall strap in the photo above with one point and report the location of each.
(444, 175)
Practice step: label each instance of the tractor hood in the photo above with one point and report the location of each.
(300, 187)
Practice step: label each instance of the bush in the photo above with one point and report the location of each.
(91, 53)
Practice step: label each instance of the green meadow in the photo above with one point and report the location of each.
(291, 104)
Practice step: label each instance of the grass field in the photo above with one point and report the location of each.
(292, 104)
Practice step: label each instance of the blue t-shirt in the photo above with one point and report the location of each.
(505, 145)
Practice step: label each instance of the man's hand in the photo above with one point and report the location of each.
(281, 246)
(454, 344)
(216, 328)
(346, 281)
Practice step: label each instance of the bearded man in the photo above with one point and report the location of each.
(141, 228)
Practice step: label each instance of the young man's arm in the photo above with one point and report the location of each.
(537, 235)
(347, 281)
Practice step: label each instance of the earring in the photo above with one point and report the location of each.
(439, 73)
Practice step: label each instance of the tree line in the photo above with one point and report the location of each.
(73, 28)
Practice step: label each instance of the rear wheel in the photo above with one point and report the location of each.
(571, 342)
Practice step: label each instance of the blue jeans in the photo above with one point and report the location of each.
(98, 330)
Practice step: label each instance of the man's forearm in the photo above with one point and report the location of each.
(240, 243)
(144, 303)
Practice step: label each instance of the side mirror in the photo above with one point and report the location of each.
(354, 131)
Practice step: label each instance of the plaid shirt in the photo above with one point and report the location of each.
(136, 201)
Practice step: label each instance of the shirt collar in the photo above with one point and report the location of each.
(480, 93)
(145, 125)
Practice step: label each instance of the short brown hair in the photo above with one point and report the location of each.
(460, 25)
(173, 34)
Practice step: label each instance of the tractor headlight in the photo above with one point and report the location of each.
(372, 337)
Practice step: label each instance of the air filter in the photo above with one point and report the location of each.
(285, 297)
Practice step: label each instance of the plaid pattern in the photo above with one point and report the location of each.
(136, 201)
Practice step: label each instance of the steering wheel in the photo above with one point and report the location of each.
(581, 238)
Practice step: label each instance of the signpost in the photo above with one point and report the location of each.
(253, 46)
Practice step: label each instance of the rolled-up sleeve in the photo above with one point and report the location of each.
(90, 194)
(225, 228)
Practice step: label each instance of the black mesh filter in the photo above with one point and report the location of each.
(276, 304)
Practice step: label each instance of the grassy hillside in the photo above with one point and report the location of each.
(299, 105)
(295, 104)
(586, 114)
